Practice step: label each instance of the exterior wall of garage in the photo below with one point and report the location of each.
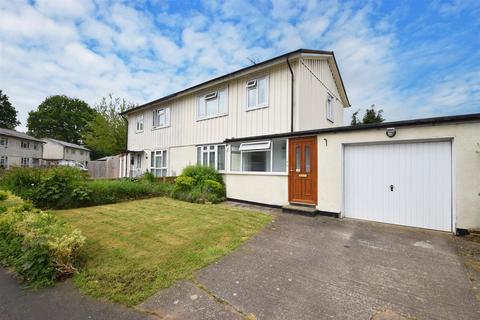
(466, 164)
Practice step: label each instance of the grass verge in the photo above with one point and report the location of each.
(135, 248)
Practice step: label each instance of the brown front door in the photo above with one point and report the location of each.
(302, 178)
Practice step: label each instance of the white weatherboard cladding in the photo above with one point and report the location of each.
(421, 176)
(185, 128)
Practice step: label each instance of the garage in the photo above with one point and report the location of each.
(406, 184)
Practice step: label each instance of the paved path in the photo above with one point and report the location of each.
(62, 302)
(327, 268)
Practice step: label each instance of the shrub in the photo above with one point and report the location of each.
(38, 246)
(3, 195)
(199, 184)
(22, 181)
(149, 177)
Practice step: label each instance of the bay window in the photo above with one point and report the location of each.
(261, 156)
(158, 163)
(257, 93)
(212, 104)
(212, 156)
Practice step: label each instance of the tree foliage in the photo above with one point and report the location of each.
(107, 132)
(371, 116)
(60, 117)
(8, 114)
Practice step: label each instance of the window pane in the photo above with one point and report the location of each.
(279, 156)
(205, 158)
(164, 173)
(258, 161)
(158, 161)
(234, 157)
(221, 158)
(211, 160)
(307, 158)
(222, 103)
(152, 159)
(298, 157)
(252, 97)
(199, 155)
(164, 159)
(161, 118)
(262, 91)
(211, 106)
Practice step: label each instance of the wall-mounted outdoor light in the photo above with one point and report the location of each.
(391, 132)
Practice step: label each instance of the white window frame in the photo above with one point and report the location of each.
(25, 162)
(253, 83)
(208, 148)
(166, 112)
(330, 114)
(4, 141)
(163, 154)
(139, 123)
(256, 146)
(4, 162)
(201, 103)
(27, 144)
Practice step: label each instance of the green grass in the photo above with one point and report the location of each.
(135, 248)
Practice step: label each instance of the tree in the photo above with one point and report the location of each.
(8, 114)
(370, 116)
(60, 117)
(107, 132)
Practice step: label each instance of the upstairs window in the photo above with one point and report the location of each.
(212, 156)
(3, 141)
(73, 151)
(329, 111)
(161, 117)
(257, 93)
(25, 144)
(139, 124)
(213, 104)
(35, 146)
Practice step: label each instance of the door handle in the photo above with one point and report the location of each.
(391, 187)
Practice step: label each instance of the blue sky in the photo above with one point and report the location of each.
(411, 58)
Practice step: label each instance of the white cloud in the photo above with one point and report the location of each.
(87, 50)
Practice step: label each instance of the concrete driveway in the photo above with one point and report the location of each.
(327, 268)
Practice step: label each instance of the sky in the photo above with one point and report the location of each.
(412, 59)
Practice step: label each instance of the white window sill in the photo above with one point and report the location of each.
(256, 173)
(212, 117)
(162, 127)
(256, 108)
(139, 131)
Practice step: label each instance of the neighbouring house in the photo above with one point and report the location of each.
(19, 149)
(276, 131)
(64, 153)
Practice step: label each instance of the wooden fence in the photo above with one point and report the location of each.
(105, 169)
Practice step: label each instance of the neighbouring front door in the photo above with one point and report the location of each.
(302, 178)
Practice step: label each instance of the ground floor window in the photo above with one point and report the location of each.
(212, 156)
(3, 162)
(25, 162)
(158, 163)
(259, 156)
(35, 162)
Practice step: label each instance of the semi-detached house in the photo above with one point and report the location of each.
(276, 131)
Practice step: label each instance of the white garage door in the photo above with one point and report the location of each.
(401, 183)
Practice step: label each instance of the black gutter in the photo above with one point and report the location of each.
(291, 98)
(403, 123)
(228, 75)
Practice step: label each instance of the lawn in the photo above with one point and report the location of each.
(135, 248)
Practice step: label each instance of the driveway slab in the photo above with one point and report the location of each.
(326, 268)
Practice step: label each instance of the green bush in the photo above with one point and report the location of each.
(22, 181)
(38, 246)
(3, 195)
(199, 184)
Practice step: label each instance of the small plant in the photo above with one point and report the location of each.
(3, 195)
(199, 184)
(148, 177)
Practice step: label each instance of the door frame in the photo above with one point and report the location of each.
(313, 164)
(453, 164)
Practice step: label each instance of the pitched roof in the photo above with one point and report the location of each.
(235, 73)
(16, 134)
(67, 144)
